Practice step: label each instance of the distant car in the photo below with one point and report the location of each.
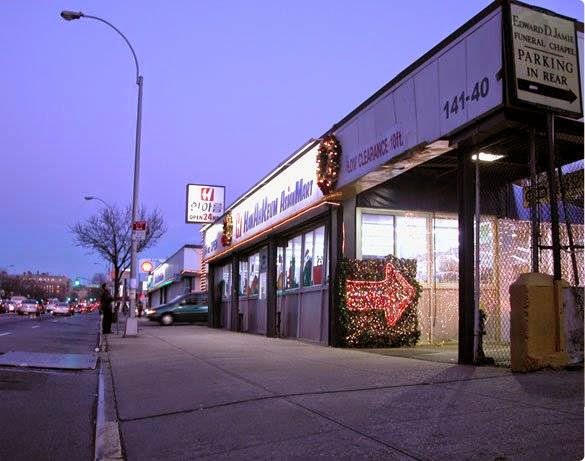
(186, 308)
(29, 306)
(3, 307)
(10, 307)
(61, 309)
(50, 304)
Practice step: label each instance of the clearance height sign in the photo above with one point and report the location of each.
(546, 60)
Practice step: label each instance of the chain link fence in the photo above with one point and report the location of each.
(505, 242)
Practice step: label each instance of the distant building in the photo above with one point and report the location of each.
(177, 275)
(52, 286)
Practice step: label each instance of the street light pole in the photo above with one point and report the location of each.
(131, 323)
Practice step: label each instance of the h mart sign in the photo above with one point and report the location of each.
(205, 203)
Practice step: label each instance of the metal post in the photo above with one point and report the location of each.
(131, 322)
(465, 192)
(477, 266)
(534, 212)
(553, 197)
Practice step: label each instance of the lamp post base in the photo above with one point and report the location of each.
(131, 328)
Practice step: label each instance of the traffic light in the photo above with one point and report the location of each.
(77, 282)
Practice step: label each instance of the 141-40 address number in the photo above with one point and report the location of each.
(480, 90)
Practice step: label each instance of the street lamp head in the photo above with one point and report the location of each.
(71, 15)
(89, 197)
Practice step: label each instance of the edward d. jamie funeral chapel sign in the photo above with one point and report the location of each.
(546, 60)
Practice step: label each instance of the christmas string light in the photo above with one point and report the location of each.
(328, 163)
(378, 305)
(391, 295)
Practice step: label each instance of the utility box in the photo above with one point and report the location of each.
(537, 323)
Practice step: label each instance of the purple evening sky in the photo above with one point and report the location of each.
(230, 90)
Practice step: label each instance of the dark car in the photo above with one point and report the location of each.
(186, 308)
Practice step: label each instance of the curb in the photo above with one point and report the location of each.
(107, 432)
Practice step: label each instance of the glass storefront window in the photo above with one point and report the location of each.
(319, 257)
(411, 243)
(244, 280)
(377, 235)
(293, 263)
(254, 267)
(280, 269)
(446, 240)
(307, 276)
(226, 276)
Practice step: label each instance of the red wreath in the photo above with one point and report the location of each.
(228, 228)
(328, 163)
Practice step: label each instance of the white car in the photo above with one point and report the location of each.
(29, 306)
(61, 309)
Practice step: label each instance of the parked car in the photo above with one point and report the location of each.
(191, 307)
(3, 306)
(29, 306)
(61, 308)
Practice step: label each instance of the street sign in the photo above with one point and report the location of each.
(205, 203)
(546, 60)
(139, 230)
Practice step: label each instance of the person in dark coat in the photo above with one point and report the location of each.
(106, 309)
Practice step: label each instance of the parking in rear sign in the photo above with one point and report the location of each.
(546, 60)
(205, 203)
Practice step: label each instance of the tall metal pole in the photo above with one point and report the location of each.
(131, 322)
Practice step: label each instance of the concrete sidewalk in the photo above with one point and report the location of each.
(190, 392)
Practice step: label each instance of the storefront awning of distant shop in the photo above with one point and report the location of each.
(162, 285)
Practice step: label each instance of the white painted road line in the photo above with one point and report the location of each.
(36, 326)
(4, 334)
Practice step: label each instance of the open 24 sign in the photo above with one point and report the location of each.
(205, 203)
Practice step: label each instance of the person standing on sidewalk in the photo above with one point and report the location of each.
(106, 309)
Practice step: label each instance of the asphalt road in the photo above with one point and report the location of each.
(47, 413)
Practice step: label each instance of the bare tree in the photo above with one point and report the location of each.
(108, 233)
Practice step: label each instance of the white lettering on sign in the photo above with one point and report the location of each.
(459, 83)
(375, 154)
(545, 60)
(290, 191)
(204, 203)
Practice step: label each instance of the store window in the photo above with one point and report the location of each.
(226, 277)
(307, 274)
(293, 263)
(244, 280)
(377, 235)
(280, 269)
(254, 265)
(412, 243)
(446, 241)
(314, 246)
(319, 275)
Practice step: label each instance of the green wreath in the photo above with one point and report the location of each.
(328, 159)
